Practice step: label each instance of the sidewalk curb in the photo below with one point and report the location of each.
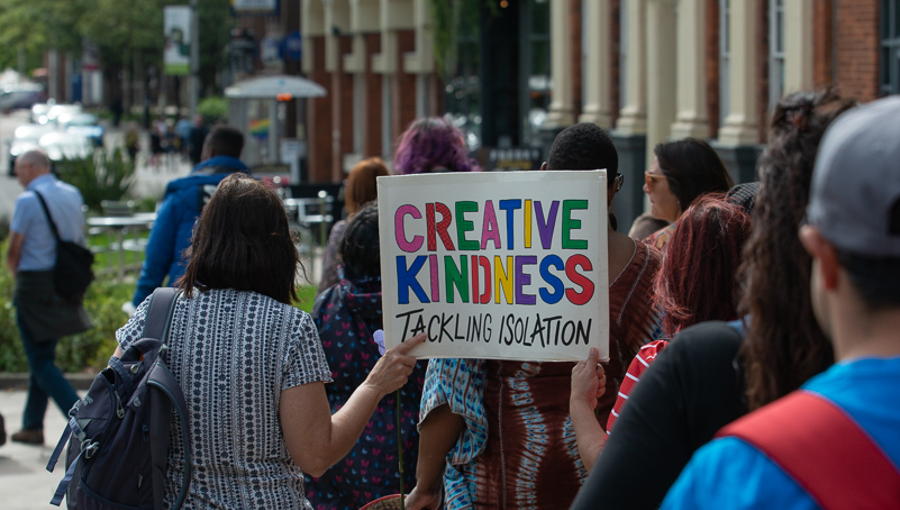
(19, 380)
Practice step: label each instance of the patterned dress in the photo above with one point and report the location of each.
(234, 353)
(519, 448)
(347, 316)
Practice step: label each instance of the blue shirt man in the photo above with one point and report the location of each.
(41, 315)
(182, 205)
(853, 236)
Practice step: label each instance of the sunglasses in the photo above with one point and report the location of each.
(651, 178)
(619, 181)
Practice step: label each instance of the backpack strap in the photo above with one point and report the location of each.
(159, 313)
(167, 394)
(839, 465)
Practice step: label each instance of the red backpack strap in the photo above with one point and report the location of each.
(824, 450)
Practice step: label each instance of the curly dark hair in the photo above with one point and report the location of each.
(584, 146)
(359, 247)
(784, 345)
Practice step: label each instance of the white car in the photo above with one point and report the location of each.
(26, 138)
(57, 110)
(60, 145)
(83, 123)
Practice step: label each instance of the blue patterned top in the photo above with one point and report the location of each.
(234, 353)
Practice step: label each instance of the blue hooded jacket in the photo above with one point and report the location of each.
(171, 234)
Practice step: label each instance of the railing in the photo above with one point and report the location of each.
(125, 234)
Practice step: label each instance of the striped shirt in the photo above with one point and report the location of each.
(641, 363)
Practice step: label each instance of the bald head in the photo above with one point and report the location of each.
(31, 165)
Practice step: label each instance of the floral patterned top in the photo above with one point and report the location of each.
(347, 315)
(234, 353)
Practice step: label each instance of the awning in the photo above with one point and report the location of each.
(271, 87)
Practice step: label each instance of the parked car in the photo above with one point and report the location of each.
(22, 95)
(25, 138)
(39, 111)
(60, 145)
(60, 109)
(86, 124)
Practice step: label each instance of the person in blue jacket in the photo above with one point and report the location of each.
(182, 205)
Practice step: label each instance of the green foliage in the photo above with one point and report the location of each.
(123, 30)
(213, 109)
(4, 227)
(89, 351)
(449, 17)
(103, 176)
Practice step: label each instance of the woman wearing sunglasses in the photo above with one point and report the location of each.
(681, 171)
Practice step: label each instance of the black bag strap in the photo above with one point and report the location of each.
(49, 217)
(159, 313)
(167, 394)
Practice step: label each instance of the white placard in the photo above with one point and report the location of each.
(508, 265)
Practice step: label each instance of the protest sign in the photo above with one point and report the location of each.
(509, 265)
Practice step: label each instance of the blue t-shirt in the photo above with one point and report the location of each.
(38, 244)
(729, 473)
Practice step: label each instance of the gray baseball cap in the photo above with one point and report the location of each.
(856, 181)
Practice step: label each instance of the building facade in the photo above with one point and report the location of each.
(512, 73)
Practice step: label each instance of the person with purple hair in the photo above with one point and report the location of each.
(432, 144)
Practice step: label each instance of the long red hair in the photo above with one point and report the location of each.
(696, 282)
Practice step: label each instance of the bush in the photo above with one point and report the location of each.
(89, 351)
(213, 109)
(103, 176)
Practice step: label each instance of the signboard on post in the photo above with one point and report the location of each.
(509, 265)
(177, 28)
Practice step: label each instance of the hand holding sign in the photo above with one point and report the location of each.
(392, 370)
(588, 380)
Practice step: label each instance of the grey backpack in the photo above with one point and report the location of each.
(120, 430)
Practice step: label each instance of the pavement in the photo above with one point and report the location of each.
(25, 484)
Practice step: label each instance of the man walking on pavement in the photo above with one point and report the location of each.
(43, 316)
(182, 205)
(834, 443)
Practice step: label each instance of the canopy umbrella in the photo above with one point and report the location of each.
(271, 87)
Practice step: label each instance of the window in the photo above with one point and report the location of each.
(724, 58)
(890, 47)
(535, 103)
(462, 91)
(776, 50)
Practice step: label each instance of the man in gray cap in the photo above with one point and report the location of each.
(835, 443)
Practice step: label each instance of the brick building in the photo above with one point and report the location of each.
(518, 71)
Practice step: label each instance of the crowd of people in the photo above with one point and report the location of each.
(753, 348)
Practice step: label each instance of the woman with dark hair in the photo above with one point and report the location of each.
(680, 172)
(360, 188)
(696, 283)
(251, 366)
(697, 385)
(785, 345)
(347, 316)
(432, 144)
